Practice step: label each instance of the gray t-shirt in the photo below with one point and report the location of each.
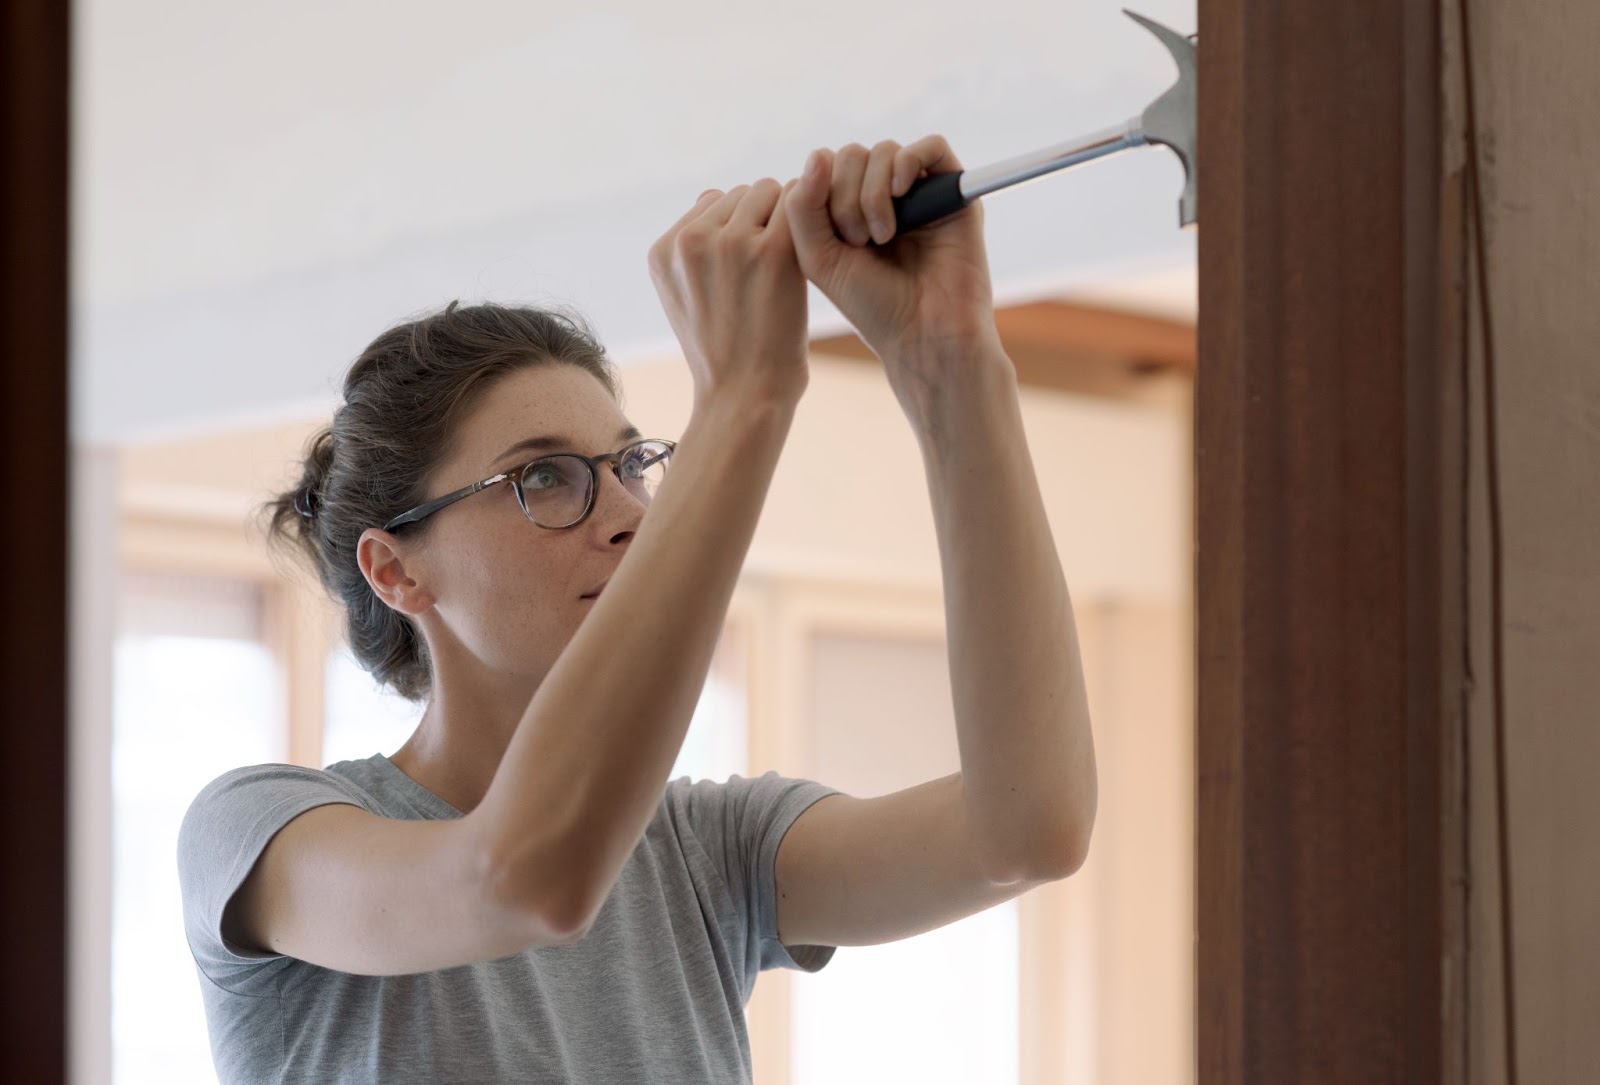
(655, 992)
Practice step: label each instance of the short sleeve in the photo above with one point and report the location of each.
(224, 832)
(740, 824)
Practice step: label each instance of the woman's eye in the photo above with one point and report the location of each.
(639, 467)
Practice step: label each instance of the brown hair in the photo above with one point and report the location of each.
(402, 398)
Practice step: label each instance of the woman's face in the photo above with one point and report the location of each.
(512, 593)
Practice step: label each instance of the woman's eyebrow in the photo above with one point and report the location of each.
(548, 443)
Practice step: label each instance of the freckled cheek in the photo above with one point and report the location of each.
(513, 630)
(502, 593)
(516, 577)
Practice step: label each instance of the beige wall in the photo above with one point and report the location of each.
(1536, 85)
(850, 496)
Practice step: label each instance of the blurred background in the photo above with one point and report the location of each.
(259, 190)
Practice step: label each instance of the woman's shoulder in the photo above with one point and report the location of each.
(271, 784)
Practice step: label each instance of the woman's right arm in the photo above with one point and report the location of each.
(586, 768)
(588, 764)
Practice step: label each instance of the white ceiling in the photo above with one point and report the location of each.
(260, 188)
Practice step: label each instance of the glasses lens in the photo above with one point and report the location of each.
(642, 467)
(556, 490)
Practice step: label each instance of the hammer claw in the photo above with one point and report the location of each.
(1170, 119)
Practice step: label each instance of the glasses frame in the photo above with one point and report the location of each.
(514, 476)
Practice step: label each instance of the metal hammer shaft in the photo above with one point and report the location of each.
(932, 198)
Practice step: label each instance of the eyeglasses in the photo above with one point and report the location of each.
(557, 491)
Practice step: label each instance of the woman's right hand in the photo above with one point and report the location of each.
(732, 289)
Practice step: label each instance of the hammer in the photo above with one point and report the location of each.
(1169, 120)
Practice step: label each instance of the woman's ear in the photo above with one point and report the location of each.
(378, 555)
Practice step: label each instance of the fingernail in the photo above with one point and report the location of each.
(813, 165)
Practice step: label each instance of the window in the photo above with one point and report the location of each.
(362, 718)
(921, 995)
(195, 693)
(716, 745)
(881, 719)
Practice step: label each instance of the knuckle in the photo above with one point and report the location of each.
(846, 210)
(691, 242)
(849, 216)
(852, 227)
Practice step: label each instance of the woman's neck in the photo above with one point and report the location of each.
(461, 739)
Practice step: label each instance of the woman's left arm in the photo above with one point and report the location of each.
(863, 872)
(1016, 677)
(923, 302)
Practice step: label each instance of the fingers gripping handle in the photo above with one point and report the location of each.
(928, 200)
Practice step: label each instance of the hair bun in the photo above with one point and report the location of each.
(305, 502)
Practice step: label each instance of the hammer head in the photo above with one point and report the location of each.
(1169, 120)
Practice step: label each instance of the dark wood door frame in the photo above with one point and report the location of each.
(33, 543)
(1328, 469)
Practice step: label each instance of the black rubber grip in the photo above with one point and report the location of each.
(928, 200)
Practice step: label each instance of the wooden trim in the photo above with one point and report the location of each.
(768, 1013)
(1056, 967)
(1321, 430)
(1069, 347)
(34, 469)
(199, 546)
(301, 632)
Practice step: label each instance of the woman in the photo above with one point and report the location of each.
(519, 893)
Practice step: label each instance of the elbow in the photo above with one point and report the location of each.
(1070, 850)
(1077, 831)
(528, 888)
(1073, 856)
(563, 918)
(1063, 861)
(1057, 848)
(1075, 851)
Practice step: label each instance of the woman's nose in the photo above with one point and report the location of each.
(614, 495)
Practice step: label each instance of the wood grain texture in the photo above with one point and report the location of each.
(1535, 83)
(33, 547)
(1319, 586)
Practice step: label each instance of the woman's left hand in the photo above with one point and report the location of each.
(922, 301)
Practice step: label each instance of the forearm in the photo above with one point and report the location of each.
(1022, 719)
(585, 770)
